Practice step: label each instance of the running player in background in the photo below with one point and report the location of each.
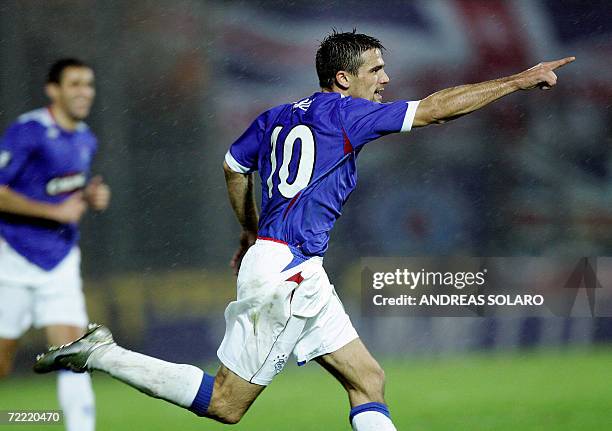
(45, 157)
(305, 153)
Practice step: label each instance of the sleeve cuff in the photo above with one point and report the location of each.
(409, 117)
(234, 165)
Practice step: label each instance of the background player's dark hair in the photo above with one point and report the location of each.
(342, 51)
(57, 68)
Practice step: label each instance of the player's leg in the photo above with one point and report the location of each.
(74, 391)
(59, 308)
(358, 372)
(331, 340)
(8, 347)
(225, 397)
(231, 397)
(15, 319)
(364, 381)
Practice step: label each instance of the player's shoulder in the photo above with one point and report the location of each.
(275, 111)
(42, 117)
(29, 125)
(39, 125)
(349, 102)
(316, 106)
(37, 118)
(337, 102)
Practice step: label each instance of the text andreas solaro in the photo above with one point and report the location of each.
(486, 286)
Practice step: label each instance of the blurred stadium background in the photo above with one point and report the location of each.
(178, 81)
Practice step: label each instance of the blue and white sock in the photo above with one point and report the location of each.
(175, 383)
(202, 399)
(371, 417)
(76, 399)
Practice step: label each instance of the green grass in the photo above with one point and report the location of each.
(551, 391)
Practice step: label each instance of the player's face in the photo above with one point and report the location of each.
(75, 93)
(371, 77)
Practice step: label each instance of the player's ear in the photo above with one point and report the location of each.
(343, 79)
(52, 90)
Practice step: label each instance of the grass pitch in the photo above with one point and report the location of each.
(561, 390)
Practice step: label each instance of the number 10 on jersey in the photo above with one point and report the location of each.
(305, 163)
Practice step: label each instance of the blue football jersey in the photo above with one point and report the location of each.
(41, 161)
(305, 153)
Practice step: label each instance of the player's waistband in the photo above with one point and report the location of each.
(265, 238)
(296, 251)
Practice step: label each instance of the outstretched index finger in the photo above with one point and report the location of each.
(559, 63)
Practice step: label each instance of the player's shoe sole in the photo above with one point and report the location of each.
(74, 356)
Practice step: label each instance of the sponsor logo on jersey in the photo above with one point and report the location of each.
(66, 184)
(5, 158)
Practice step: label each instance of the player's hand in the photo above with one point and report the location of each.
(541, 75)
(247, 239)
(97, 194)
(71, 210)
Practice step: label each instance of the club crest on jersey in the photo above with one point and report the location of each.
(66, 184)
(5, 158)
(52, 133)
(302, 104)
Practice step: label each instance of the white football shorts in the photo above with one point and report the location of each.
(31, 296)
(281, 311)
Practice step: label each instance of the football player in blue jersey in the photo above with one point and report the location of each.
(305, 153)
(45, 189)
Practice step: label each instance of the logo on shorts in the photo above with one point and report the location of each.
(279, 363)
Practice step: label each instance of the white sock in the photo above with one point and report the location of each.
(176, 383)
(76, 399)
(372, 421)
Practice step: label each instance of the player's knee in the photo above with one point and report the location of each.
(225, 412)
(232, 418)
(225, 416)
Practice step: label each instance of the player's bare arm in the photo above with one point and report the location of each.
(242, 199)
(69, 211)
(455, 102)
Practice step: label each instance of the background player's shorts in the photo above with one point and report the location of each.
(30, 295)
(281, 311)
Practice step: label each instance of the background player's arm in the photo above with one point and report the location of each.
(242, 198)
(454, 102)
(69, 211)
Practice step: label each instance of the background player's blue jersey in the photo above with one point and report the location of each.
(305, 153)
(41, 161)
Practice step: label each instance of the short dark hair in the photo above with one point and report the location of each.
(57, 68)
(342, 51)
